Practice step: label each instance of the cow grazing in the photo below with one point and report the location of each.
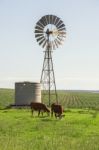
(40, 107)
(57, 110)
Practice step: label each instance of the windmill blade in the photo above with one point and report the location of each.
(54, 19)
(48, 19)
(38, 35)
(57, 20)
(38, 31)
(61, 29)
(61, 26)
(51, 19)
(44, 20)
(40, 24)
(59, 38)
(41, 41)
(59, 23)
(62, 36)
(39, 28)
(40, 38)
(44, 44)
(61, 32)
(56, 43)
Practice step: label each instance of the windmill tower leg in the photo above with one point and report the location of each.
(48, 78)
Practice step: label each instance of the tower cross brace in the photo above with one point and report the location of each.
(47, 76)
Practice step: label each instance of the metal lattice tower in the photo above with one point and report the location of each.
(49, 32)
(47, 76)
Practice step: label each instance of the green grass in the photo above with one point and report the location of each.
(6, 97)
(78, 130)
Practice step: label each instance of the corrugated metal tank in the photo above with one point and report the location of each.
(27, 92)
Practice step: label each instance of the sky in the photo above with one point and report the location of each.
(75, 62)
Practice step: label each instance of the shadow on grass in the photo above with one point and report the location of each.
(47, 119)
(40, 117)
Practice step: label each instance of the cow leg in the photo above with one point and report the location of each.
(48, 114)
(32, 111)
(52, 113)
(42, 113)
(55, 115)
(38, 113)
(60, 116)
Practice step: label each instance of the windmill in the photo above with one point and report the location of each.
(50, 32)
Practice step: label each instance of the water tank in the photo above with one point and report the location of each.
(27, 92)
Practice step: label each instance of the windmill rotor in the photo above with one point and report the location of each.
(50, 26)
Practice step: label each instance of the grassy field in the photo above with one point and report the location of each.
(69, 99)
(79, 99)
(6, 97)
(78, 130)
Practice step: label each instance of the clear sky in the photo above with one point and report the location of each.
(75, 62)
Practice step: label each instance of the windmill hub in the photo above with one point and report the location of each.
(48, 32)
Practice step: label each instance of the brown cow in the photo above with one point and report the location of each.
(40, 107)
(57, 110)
